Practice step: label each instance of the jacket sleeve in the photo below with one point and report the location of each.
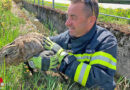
(96, 69)
(60, 39)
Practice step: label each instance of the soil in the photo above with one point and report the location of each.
(29, 26)
(122, 28)
(19, 13)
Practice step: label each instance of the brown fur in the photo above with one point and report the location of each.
(21, 49)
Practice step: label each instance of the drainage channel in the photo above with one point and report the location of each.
(36, 23)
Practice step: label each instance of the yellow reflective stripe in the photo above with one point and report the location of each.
(83, 60)
(70, 53)
(86, 74)
(104, 63)
(76, 77)
(103, 59)
(82, 57)
(82, 73)
(104, 54)
(61, 50)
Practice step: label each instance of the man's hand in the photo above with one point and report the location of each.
(45, 61)
(50, 45)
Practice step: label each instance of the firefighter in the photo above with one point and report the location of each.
(91, 59)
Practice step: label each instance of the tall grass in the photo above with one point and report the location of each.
(9, 30)
(9, 24)
(17, 77)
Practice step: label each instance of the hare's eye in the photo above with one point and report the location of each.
(6, 56)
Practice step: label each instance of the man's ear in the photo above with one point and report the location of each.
(92, 20)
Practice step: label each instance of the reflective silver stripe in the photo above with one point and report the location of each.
(64, 53)
(56, 47)
(31, 64)
(103, 59)
(82, 73)
(84, 57)
(66, 60)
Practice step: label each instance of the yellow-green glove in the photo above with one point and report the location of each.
(50, 45)
(44, 61)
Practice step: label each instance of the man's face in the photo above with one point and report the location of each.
(77, 21)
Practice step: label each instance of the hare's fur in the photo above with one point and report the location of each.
(21, 49)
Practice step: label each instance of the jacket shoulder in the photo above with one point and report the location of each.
(61, 38)
(103, 33)
(103, 40)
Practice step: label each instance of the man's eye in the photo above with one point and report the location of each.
(73, 17)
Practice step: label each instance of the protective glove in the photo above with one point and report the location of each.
(50, 45)
(44, 61)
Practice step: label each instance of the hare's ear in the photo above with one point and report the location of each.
(8, 51)
(9, 54)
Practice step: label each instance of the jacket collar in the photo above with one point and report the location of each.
(85, 37)
(77, 44)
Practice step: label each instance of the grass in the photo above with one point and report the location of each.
(9, 26)
(117, 12)
(18, 77)
(52, 31)
(9, 30)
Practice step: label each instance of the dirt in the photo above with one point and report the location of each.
(29, 26)
(122, 28)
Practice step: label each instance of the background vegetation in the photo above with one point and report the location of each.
(116, 12)
(9, 23)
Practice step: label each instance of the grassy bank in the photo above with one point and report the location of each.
(116, 12)
(17, 77)
(9, 24)
(9, 30)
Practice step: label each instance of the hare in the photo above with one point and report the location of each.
(21, 49)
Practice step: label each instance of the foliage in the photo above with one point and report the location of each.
(117, 12)
(9, 30)
(6, 4)
(9, 26)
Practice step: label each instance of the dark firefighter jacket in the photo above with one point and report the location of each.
(93, 62)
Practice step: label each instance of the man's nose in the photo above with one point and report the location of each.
(68, 22)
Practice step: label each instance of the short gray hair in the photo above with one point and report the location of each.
(91, 7)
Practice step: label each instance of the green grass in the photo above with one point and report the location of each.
(117, 12)
(9, 27)
(17, 77)
(9, 30)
